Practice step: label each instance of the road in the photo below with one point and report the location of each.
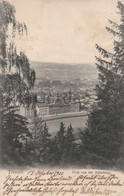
(65, 116)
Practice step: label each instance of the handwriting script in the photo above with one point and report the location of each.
(52, 182)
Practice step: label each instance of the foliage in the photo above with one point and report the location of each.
(44, 145)
(70, 145)
(103, 137)
(64, 143)
(14, 129)
(17, 79)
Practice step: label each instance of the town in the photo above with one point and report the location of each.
(56, 97)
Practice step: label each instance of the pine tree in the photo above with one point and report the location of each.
(103, 137)
(70, 146)
(44, 145)
(54, 152)
(61, 142)
(61, 136)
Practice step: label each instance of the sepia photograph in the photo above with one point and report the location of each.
(62, 84)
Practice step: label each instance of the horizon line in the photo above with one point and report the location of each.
(72, 63)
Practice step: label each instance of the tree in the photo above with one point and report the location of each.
(54, 152)
(44, 145)
(13, 130)
(61, 136)
(69, 144)
(17, 79)
(102, 139)
(61, 142)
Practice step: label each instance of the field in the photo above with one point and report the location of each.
(76, 122)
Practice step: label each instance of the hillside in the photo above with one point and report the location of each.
(60, 71)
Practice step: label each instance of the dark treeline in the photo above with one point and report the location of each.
(40, 149)
(61, 150)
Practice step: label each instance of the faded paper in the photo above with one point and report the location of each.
(60, 44)
(62, 182)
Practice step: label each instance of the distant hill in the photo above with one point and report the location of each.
(61, 71)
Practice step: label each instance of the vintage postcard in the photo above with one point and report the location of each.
(62, 97)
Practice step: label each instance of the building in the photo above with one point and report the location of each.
(43, 111)
(58, 108)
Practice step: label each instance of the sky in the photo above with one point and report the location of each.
(65, 31)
